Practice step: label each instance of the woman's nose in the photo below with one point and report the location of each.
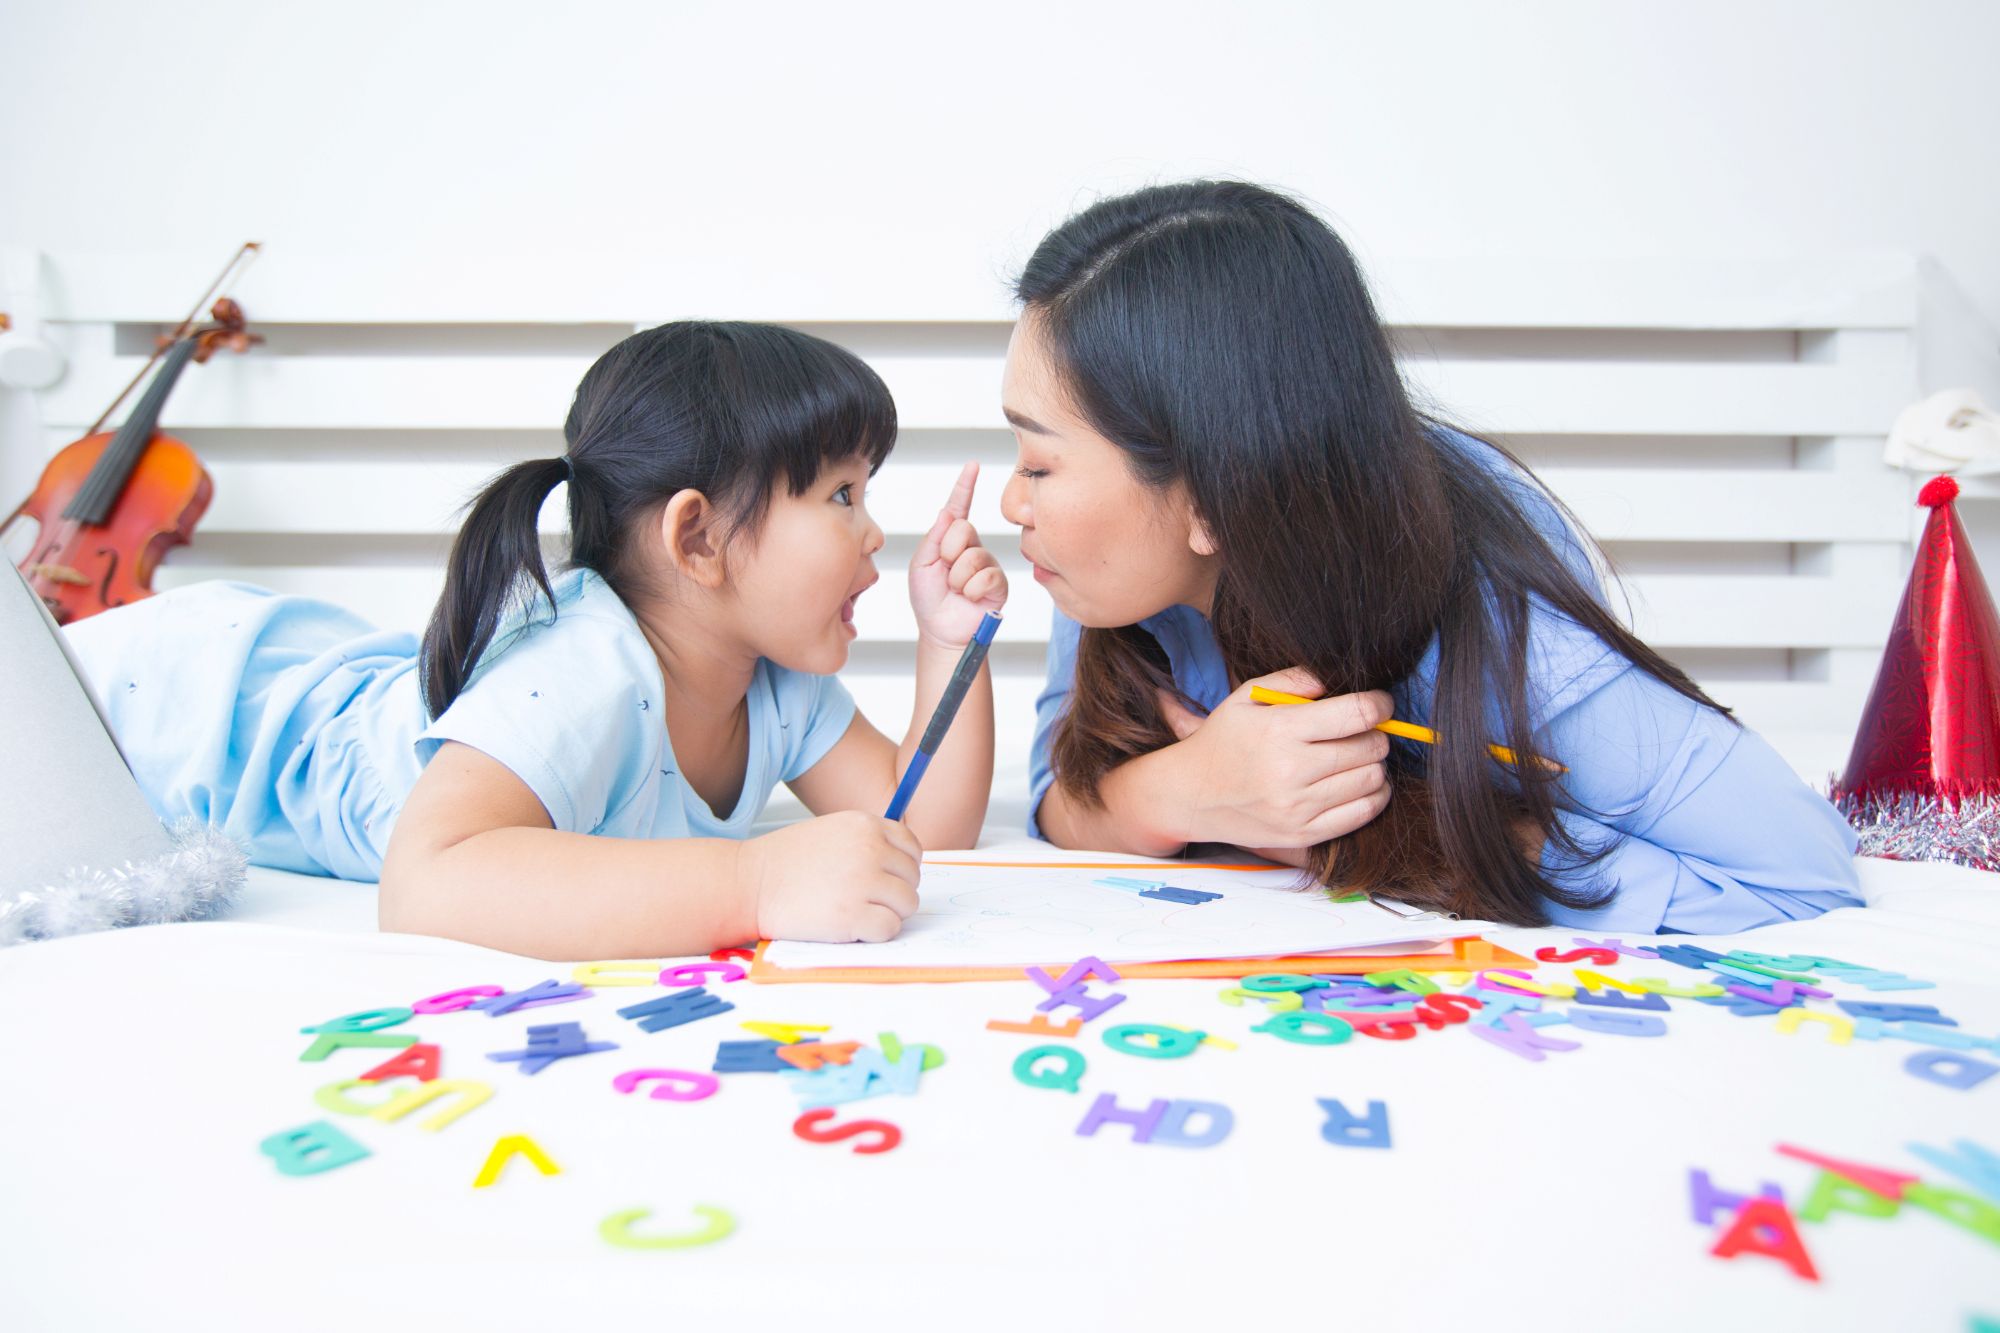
(1014, 506)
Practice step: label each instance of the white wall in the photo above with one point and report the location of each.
(930, 142)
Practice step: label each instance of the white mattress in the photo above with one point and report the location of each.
(143, 1068)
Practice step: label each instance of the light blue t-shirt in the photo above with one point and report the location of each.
(1710, 831)
(300, 730)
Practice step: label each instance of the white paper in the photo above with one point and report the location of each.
(1011, 916)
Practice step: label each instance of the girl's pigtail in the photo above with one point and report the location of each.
(499, 542)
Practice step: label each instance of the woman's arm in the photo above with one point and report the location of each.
(474, 857)
(1247, 774)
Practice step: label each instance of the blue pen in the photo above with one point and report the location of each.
(947, 709)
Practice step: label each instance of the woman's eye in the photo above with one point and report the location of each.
(1031, 473)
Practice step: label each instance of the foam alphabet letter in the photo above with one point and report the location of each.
(471, 1093)
(1612, 999)
(808, 1128)
(1623, 1025)
(419, 1062)
(1968, 1161)
(1344, 1129)
(617, 1230)
(1836, 1194)
(333, 1097)
(1888, 1011)
(365, 1020)
(1106, 1111)
(1090, 1006)
(675, 1085)
(1763, 1226)
(510, 1147)
(537, 995)
(1888, 1184)
(1949, 1070)
(311, 1149)
(892, 1050)
(1975, 1215)
(1027, 1067)
(1081, 971)
(784, 1034)
(1307, 1029)
(1840, 1028)
(629, 973)
(1708, 1200)
(670, 1011)
(1513, 1033)
(1166, 1043)
(1171, 1128)
(1039, 1026)
(326, 1043)
(697, 974)
(451, 1001)
(1595, 957)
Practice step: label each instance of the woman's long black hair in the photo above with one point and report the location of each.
(1221, 335)
(729, 409)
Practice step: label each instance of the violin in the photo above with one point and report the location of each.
(111, 504)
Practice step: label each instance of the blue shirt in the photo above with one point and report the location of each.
(300, 729)
(1709, 831)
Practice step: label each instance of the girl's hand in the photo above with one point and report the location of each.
(1281, 778)
(954, 581)
(834, 880)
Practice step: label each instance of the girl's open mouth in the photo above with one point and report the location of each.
(847, 610)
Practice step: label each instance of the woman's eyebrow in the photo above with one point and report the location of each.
(1023, 422)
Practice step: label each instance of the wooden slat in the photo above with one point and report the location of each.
(1615, 504)
(1526, 397)
(1708, 611)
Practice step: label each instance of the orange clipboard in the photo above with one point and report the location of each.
(1469, 954)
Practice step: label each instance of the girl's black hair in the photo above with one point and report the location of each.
(728, 409)
(1221, 335)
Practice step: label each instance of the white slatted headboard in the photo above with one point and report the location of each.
(1719, 426)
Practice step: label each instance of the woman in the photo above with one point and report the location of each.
(1223, 484)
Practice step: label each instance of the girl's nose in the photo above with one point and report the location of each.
(1014, 506)
(873, 540)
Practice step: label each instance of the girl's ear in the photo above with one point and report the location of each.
(691, 534)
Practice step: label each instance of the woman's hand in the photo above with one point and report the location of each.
(954, 581)
(1277, 779)
(836, 879)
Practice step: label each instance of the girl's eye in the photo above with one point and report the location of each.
(1031, 473)
(845, 495)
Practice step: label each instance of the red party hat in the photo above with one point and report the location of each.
(1923, 780)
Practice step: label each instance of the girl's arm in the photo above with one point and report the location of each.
(861, 771)
(954, 582)
(474, 857)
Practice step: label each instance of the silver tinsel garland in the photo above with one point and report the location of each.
(196, 880)
(1963, 830)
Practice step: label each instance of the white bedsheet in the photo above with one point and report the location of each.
(143, 1067)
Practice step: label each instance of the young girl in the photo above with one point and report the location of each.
(1224, 485)
(570, 767)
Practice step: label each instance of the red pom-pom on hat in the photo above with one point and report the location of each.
(1937, 491)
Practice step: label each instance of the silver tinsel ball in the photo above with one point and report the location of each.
(1964, 831)
(194, 881)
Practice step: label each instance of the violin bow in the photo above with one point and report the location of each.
(237, 263)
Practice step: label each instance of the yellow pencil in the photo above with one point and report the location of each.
(1407, 730)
